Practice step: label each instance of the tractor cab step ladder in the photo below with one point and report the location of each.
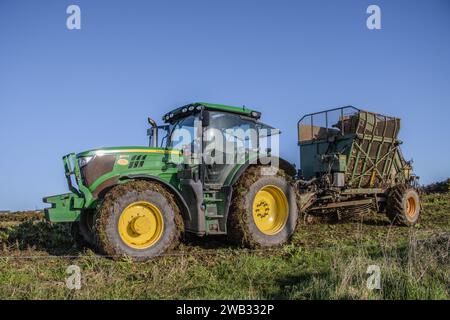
(214, 204)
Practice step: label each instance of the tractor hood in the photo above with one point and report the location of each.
(91, 172)
(103, 163)
(127, 150)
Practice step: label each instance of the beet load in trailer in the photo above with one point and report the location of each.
(212, 172)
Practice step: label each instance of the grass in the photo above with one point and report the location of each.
(324, 261)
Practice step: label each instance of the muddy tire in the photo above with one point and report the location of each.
(403, 205)
(82, 231)
(138, 219)
(263, 210)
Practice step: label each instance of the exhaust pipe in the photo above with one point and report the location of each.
(153, 134)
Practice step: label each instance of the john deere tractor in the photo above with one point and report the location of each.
(213, 172)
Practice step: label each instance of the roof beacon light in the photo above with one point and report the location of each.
(256, 114)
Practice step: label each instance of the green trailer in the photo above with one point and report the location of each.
(141, 201)
(351, 160)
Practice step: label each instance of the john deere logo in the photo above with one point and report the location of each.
(123, 162)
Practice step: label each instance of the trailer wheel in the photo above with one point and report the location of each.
(82, 231)
(138, 219)
(403, 205)
(263, 211)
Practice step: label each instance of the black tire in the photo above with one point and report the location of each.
(82, 230)
(108, 238)
(242, 229)
(77, 237)
(382, 207)
(403, 205)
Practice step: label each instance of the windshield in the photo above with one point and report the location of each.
(184, 134)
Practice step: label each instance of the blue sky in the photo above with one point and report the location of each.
(67, 91)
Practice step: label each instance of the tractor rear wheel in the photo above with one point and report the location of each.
(138, 219)
(403, 205)
(263, 211)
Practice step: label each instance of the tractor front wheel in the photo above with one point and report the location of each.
(403, 205)
(82, 230)
(138, 219)
(264, 210)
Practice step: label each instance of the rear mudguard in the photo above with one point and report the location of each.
(288, 168)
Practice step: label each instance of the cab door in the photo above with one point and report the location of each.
(227, 141)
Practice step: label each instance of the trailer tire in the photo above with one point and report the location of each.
(256, 198)
(403, 205)
(138, 219)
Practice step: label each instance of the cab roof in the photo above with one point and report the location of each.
(197, 106)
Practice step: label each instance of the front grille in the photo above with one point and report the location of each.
(96, 168)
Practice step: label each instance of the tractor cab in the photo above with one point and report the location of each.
(216, 143)
(214, 138)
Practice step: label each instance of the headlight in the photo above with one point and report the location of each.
(84, 161)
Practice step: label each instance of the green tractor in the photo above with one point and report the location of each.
(213, 172)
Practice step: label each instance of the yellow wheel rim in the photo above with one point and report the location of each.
(270, 209)
(411, 207)
(141, 225)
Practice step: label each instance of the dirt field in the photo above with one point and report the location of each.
(326, 260)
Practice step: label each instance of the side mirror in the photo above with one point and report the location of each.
(205, 118)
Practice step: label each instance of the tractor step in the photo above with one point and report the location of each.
(213, 187)
(212, 196)
(213, 204)
(215, 232)
(213, 225)
(210, 200)
(214, 216)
